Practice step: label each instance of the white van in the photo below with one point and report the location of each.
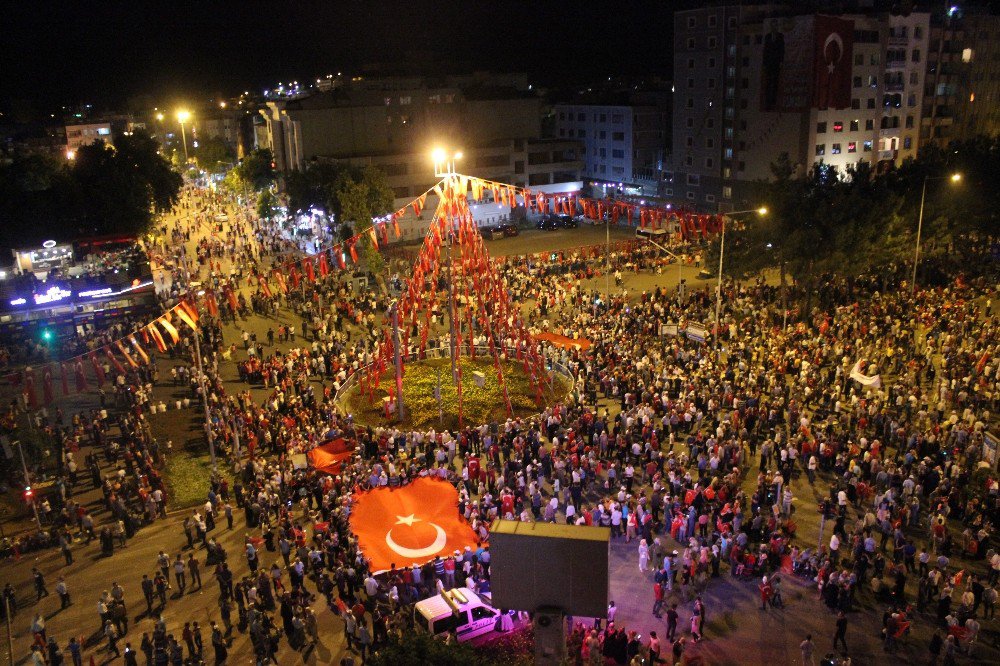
(460, 609)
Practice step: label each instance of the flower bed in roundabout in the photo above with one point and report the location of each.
(480, 404)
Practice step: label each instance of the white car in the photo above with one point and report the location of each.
(460, 609)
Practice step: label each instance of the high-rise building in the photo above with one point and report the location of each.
(755, 82)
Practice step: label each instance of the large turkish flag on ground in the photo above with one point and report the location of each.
(409, 525)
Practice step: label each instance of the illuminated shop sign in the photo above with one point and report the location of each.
(95, 293)
(52, 295)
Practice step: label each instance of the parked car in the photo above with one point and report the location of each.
(491, 232)
(509, 229)
(549, 223)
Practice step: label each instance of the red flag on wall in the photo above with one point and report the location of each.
(353, 251)
(114, 361)
(29, 388)
(64, 377)
(833, 60)
(324, 267)
(81, 378)
(307, 266)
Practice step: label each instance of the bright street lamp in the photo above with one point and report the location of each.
(441, 159)
(955, 178)
(182, 117)
(722, 250)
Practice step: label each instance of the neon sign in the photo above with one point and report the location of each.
(18, 301)
(52, 295)
(94, 293)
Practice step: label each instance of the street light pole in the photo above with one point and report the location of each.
(722, 252)
(955, 177)
(184, 141)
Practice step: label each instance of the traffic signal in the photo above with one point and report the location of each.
(29, 494)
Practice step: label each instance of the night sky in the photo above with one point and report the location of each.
(105, 52)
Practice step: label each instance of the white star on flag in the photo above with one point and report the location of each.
(407, 520)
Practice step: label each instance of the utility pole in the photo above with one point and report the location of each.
(398, 359)
(27, 483)
(209, 435)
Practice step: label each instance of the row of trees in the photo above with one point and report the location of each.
(862, 222)
(104, 190)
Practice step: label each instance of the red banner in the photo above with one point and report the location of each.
(832, 62)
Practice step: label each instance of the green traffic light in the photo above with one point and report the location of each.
(47, 335)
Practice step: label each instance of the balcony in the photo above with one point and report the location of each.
(887, 155)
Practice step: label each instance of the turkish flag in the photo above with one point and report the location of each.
(409, 525)
(832, 62)
(330, 456)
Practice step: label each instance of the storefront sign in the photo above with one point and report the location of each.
(95, 293)
(52, 295)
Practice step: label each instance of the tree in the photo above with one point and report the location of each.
(257, 169)
(415, 648)
(214, 154)
(267, 205)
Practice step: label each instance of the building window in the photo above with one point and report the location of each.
(857, 82)
(691, 43)
(835, 150)
(852, 146)
(907, 143)
(690, 142)
(855, 103)
(688, 161)
(693, 180)
(604, 117)
(581, 117)
(869, 123)
(709, 163)
(711, 42)
(728, 153)
(838, 126)
(711, 84)
(618, 170)
(727, 192)
(820, 149)
(690, 195)
(871, 103)
(405, 100)
(709, 142)
(710, 122)
(711, 62)
(619, 154)
(604, 152)
(690, 123)
(617, 118)
(820, 128)
(562, 115)
(713, 20)
(582, 134)
(692, 22)
(914, 78)
(690, 83)
(562, 132)
(604, 134)
(866, 146)
(690, 63)
(967, 55)
(854, 125)
(915, 56)
(618, 136)
(909, 122)
(859, 59)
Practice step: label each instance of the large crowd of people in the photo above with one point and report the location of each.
(686, 448)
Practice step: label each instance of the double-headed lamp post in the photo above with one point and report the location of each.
(182, 117)
(444, 165)
(955, 177)
(722, 250)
